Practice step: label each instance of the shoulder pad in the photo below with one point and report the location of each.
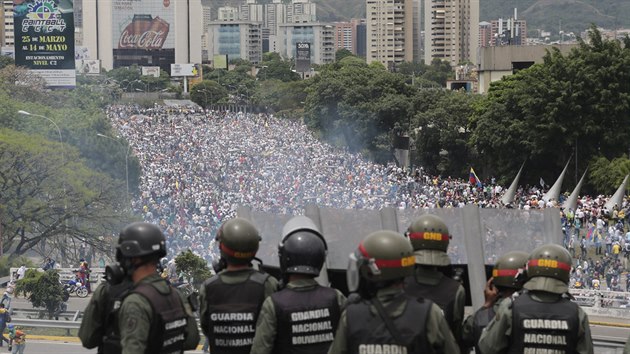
(259, 277)
(211, 280)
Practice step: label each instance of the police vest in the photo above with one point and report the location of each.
(233, 311)
(442, 294)
(168, 327)
(480, 321)
(367, 332)
(114, 295)
(544, 327)
(306, 320)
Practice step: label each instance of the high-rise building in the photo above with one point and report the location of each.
(321, 37)
(345, 36)
(143, 32)
(236, 39)
(508, 32)
(361, 42)
(228, 13)
(485, 34)
(390, 31)
(8, 37)
(451, 30)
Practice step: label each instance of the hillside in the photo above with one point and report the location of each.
(549, 15)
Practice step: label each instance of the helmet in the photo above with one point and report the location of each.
(429, 237)
(140, 239)
(548, 269)
(381, 256)
(238, 241)
(303, 248)
(508, 271)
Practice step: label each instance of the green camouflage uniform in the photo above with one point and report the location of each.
(267, 321)
(92, 327)
(439, 336)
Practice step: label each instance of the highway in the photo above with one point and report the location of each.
(72, 346)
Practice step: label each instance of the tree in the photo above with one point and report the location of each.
(195, 268)
(207, 93)
(43, 289)
(6, 61)
(342, 53)
(570, 104)
(49, 197)
(606, 175)
(274, 67)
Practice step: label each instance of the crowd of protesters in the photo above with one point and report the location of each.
(199, 166)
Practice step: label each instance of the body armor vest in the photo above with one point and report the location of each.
(307, 320)
(168, 327)
(367, 332)
(442, 294)
(114, 295)
(233, 311)
(551, 326)
(480, 321)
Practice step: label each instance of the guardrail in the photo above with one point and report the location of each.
(613, 304)
(97, 275)
(40, 314)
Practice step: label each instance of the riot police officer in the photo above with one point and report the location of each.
(508, 276)
(231, 300)
(542, 318)
(303, 317)
(137, 311)
(429, 237)
(384, 319)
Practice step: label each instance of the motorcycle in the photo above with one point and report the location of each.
(75, 287)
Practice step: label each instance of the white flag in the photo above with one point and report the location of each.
(542, 182)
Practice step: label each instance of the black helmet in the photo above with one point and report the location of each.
(429, 237)
(508, 271)
(381, 256)
(238, 241)
(303, 248)
(140, 239)
(549, 269)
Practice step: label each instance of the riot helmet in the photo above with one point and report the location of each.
(302, 249)
(238, 241)
(136, 240)
(548, 269)
(381, 257)
(429, 237)
(509, 270)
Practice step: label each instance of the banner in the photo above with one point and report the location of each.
(302, 57)
(89, 67)
(185, 69)
(142, 33)
(44, 39)
(151, 71)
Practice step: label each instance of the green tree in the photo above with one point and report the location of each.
(43, 289)
(47, 194)
(195, 268)
(207, 93)
(606, 175)
(342, 53)
(6, 61)
(570, 104)
(274, 67)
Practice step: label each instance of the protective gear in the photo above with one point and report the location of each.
(381, 256)
(429, 237)
(238, 241)
(442, 294)
(558, 321)
(302, 315)
(508, 271)
(549, 269)
(136, 240)
(303, 248)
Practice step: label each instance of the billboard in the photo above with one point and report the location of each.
(302, 57)
(142, 33)
(185, 69)
(151, 71)
(44, 39)
(89, 66)
(220, 61)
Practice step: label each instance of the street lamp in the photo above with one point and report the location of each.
(63, 160)
(126, 158)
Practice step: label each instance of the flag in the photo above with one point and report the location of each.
(589, 234)
(542, 182)
(473, 179)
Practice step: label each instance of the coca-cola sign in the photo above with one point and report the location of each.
(144, 32)
(146, 40)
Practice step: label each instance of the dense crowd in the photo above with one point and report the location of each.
(199, 166)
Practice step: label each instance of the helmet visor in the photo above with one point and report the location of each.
(352, 275)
